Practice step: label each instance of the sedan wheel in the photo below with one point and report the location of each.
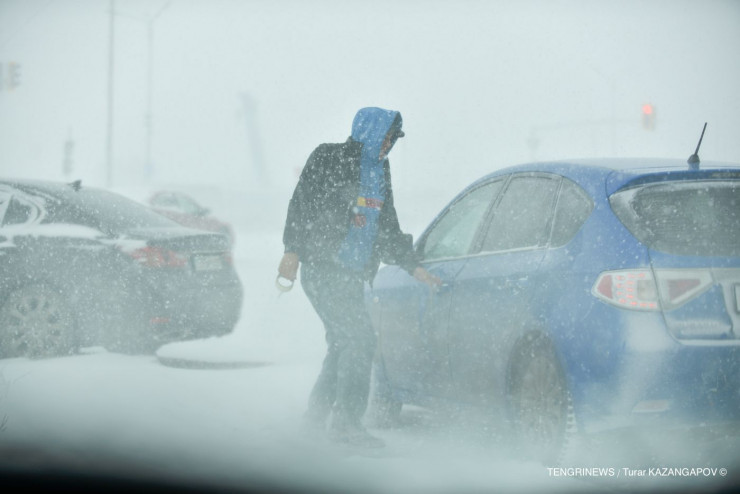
(36, 321)
(539, 401)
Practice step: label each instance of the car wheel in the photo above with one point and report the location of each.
(36, 321)
(385, 409)
(539, 401)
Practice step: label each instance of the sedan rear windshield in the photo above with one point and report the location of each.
(108, 212)
(692, 218)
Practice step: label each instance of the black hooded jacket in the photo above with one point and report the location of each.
(320, 210)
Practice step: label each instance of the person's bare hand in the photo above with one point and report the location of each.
(425, 276)
(288, 268)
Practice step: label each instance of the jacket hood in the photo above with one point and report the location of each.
(371, 125)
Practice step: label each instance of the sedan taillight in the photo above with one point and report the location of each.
(643, 289)
(157, 257)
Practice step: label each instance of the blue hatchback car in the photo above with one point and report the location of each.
(603, 292)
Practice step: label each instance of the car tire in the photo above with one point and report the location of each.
(539, 402)
(37, 321)
(385, 409)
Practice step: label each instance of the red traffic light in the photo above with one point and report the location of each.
(648, 116)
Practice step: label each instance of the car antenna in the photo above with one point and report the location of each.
(76, 185)
(694, 158)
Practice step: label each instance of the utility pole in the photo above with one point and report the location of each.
(249, 107)
(67, 157)
(109, 145)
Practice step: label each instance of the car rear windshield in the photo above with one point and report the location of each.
(699, 218)
(108, 212)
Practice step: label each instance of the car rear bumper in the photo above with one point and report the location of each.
(683, 384)
(199, 311)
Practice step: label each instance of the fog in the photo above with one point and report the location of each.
(225, 99)
(242, 91)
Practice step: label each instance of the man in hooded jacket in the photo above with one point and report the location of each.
(341, 224)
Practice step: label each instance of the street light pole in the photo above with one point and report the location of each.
(150, 79)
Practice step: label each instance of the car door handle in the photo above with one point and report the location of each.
(442, 289)
(516, 282)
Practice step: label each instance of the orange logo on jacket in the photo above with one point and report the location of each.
(359, 220)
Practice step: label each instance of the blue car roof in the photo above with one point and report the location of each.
(611, 174)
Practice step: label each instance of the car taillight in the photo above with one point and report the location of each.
(643, 289)
(157, 257)
(634, 289)
(678, 286)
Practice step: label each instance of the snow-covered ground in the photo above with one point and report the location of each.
(237, 419)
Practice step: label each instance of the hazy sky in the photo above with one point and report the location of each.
(481, 84)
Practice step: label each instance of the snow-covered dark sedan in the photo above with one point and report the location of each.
(577, 296)
(82, 267)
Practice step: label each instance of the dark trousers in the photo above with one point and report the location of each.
(343, 384)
